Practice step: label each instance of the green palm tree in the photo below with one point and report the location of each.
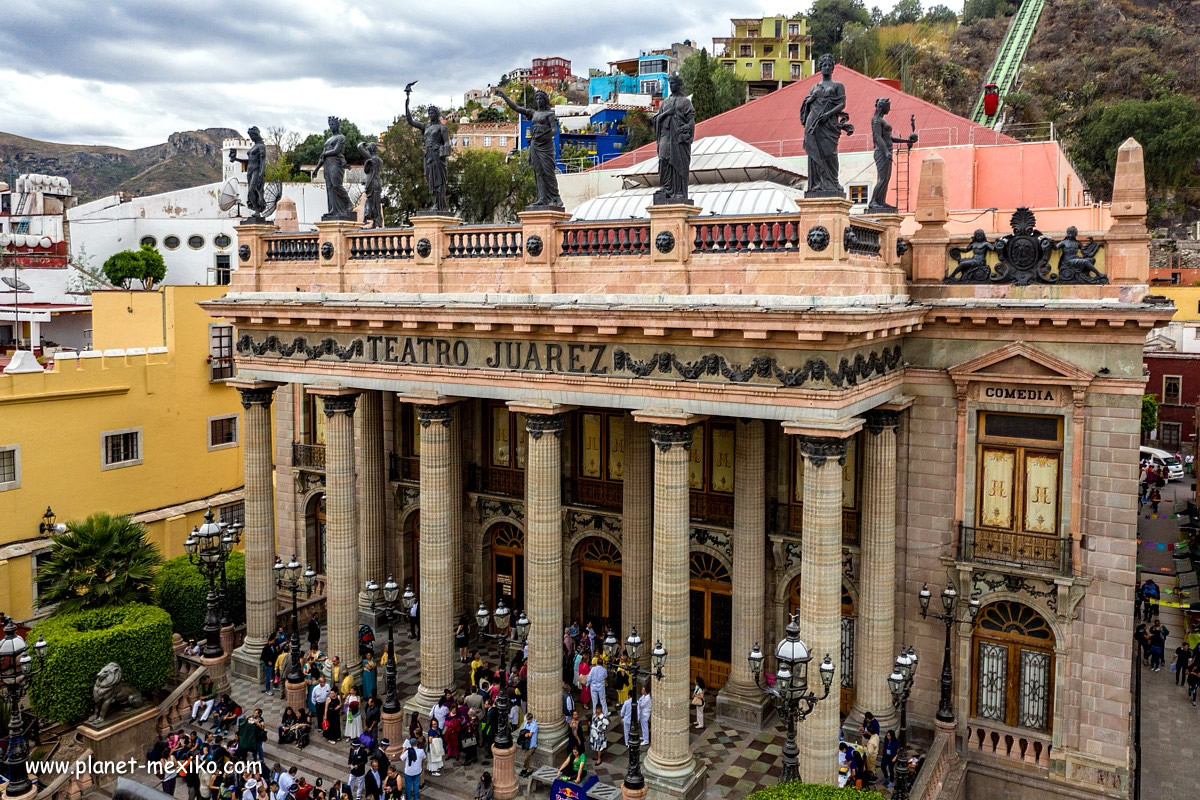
(103, 560)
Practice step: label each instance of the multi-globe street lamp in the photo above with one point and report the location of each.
(17, 668)
(634, 780)
(292, 577)
(900, 682)
(208, 547)
(945, 712)
(518, 635)
(383, 601)
(793, 700)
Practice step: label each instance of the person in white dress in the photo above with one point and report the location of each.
(354, 724)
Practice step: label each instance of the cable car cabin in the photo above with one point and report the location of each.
(991, 99)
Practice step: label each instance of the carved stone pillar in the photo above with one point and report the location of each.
(544, 580)
(637, 492)
(341, 532)
(372, 562)
(259, 533)
(670, 768)
(740, 702)
(875, 632)
(457, 540)
(437, 639)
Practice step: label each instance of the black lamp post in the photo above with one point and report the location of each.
(231, 535)
(207, 549)
(17, 668)
(793, 701)
(518, 635)
(901, 682)
(384, 601)
(291, 577)
(945, 712)
(634, 781)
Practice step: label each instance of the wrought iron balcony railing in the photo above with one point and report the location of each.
(1008, 549)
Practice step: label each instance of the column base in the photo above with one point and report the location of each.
(743, 711)
(951, 730)
(504, 777)
(297, 695)
(26, 795)
(227, 638)
(393, 730)
(686, 784)
(889, 719)
(373, 618)
(552, 746)
(421, 702)
(246, 662)
(632, 794)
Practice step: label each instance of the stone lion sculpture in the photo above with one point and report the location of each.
(109, 690)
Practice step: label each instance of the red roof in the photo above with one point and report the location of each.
(772, 123)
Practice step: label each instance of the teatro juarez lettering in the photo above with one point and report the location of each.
(785, 368)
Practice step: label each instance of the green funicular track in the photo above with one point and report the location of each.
(1008, 59)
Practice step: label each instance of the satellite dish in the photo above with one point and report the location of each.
(229, 196)
(272, 192)
(16, 284)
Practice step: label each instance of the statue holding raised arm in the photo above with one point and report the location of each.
(373, 189)
(881, 134)
(436, 144)
(824, 117)
(333, 159)
(675, 127)
(543, 125)
(256, 170)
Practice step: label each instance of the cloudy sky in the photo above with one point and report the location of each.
(130, 72)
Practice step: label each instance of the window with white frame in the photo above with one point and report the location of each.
(10, 467)
(222, 432)
(487, 141)
(121, 448)
(1172, 389)
(220, 352)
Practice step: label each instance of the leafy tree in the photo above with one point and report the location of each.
(1168, 129)
(1149, 413)
(976, 10)
(704, 92)
(489, 115)
(876, 16)
(309, 150)
(829, 17)
(98, 562)
(575, 155)
(940, 15)
(403, 171)
(639, 129)
(144, 264)
(726, 90)
(904, 13)
(485, 186)
(859, 46)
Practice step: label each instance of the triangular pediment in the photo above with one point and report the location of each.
(1020, 361)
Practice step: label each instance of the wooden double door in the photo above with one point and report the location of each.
(600, 586)
(710, 609)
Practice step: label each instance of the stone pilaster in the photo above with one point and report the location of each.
(637, 492)
(544, 580)
(372, 562)
(437, 642)
(341, 531)
(821, 597)
(874, 633)
(259, 533)
(670, 768)
(741, 703)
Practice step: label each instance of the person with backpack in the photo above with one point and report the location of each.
(1151, 593)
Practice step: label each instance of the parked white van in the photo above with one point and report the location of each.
(1161, 458)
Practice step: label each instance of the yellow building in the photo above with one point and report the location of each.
(142, 425)
(1185, 298)
(767, 53)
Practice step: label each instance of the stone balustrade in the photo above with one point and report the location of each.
(68, 785)
(177, 706)
(998, 741)
(939, 761)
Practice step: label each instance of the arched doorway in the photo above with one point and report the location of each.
(314, 532)
(711, 619)
(1012, 667)
(412, 548)
(508, 565)
(846, 659)
(600, 585)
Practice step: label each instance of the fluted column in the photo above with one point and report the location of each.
(259, 533)
(740, 701)
(821, 597)
(437, 639)
(457, 542)
(341, 533)
(875, 633)
(670, 769)
(544, 579)
(637, 492)
(372, 560)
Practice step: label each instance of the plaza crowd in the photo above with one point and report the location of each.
(1151, 640)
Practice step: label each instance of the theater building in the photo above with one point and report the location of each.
(700, 425)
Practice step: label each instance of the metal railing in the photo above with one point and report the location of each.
(404, 468)
(1006, 548)
(310, 456)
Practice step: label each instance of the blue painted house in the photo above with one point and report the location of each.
(602, 136)
(605, 88)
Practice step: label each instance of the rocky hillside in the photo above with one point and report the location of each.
(185, 159)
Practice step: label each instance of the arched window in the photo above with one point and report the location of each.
(1013, 667)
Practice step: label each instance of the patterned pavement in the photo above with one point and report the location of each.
(737, 763)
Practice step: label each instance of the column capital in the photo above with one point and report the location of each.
(340, 403)
(427, 415)
(665, 437)
(819, 449)
(256, 395)
(879, 419)
(538, 424)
